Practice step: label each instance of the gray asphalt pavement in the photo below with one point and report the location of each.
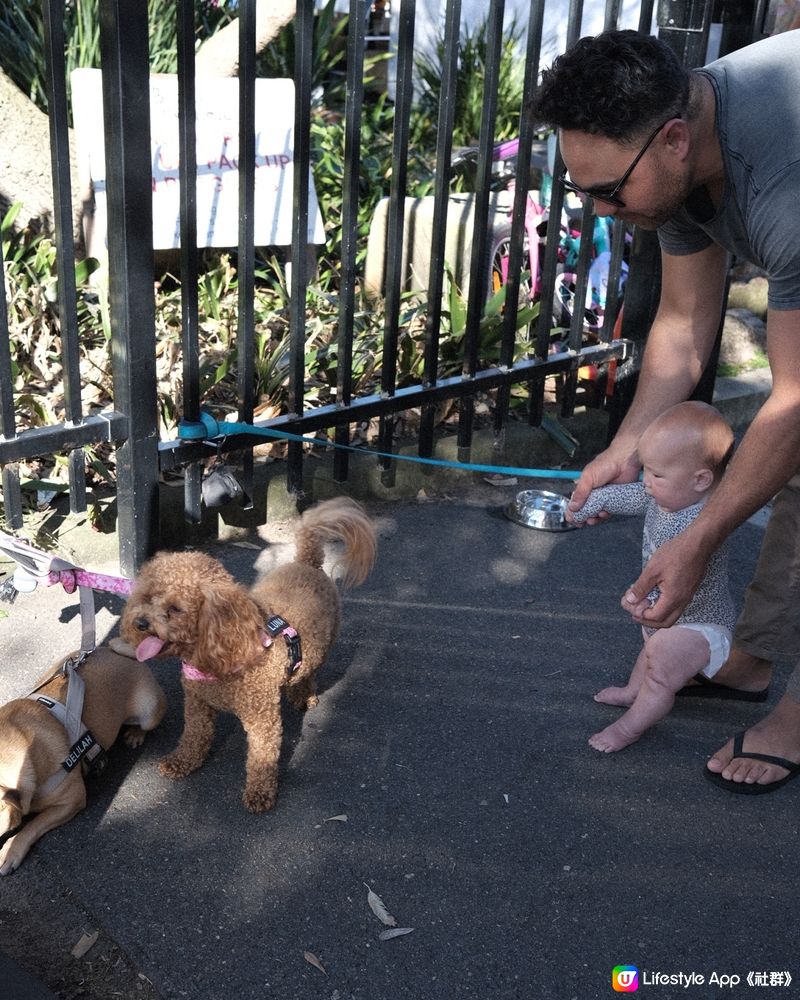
(447, 769)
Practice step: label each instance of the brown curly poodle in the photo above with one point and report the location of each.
(241, 648)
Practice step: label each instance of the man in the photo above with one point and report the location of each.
(711, 159)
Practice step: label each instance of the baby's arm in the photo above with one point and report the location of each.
(624, 498)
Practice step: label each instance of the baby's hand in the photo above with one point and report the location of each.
(617, 464)
(590, 511)
(577, 517)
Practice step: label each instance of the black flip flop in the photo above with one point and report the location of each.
(706, 688)
(745, 788)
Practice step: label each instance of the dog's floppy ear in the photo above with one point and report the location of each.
(12, 797)
(227, 630)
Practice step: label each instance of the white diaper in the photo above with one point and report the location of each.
(719, 645)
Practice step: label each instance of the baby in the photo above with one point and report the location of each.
(683, 454)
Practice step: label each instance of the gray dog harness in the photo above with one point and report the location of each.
(84, 748)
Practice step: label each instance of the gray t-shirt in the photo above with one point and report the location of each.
(712, 603)
(757, 91)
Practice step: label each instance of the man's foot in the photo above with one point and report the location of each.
(615, 737)
(742, 672)
(776, 736)
(623, 696)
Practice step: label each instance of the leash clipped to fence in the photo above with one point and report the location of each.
(35, 567)
(207, 428)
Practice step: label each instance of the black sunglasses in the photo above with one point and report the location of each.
(610, 194)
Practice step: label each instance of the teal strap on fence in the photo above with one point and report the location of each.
(209, 429)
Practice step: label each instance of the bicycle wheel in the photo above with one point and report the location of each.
(564, 304)
(498, 273)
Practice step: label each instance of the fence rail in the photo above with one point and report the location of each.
(132, 425)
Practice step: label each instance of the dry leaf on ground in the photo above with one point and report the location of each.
(312, 959)
(85, 944)
(394, 932)
(377, 907)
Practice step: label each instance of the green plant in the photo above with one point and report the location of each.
(327, 57)
(31, 290)
(375, 177)
(471, 74)
(22, 48)
(22, 51)
(30, 258)
(758, 361)
(490, 328)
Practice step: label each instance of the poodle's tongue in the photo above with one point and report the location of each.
(151, 646)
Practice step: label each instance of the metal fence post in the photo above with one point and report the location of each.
(684, 26)
(126, 112)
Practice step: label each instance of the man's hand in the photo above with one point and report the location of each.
(676, 570)
(608, 467)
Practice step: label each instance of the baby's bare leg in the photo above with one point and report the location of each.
(672, 656)
(625, 695)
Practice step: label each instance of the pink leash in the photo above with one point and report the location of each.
(70, 579)
(35, 566)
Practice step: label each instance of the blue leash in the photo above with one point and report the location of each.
(209, 429)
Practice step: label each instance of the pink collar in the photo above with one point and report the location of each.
(193, 673)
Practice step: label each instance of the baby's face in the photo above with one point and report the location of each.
(670, 476)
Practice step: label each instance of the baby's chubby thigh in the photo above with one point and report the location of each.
(676, 654)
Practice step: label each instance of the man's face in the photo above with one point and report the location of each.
(653, 191)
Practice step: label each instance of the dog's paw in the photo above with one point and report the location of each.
(123, 648)
(133, 736)
(10, 859)
(302, 702)
(257, 800)
(174, 766)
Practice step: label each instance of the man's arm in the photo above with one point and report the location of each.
(678, 346)
(767, 457)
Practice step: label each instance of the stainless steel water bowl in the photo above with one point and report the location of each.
(539, 509)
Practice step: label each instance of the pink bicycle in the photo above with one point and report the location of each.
(536, 227)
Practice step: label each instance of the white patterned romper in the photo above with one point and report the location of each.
(711, 611)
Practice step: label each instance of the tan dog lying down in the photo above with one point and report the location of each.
(241, 648)
(34, 744)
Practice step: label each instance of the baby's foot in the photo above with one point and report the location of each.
(614, 737)
(624, 696)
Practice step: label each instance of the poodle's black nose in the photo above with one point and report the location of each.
(142, 624)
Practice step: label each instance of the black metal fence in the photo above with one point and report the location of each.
(132, 424)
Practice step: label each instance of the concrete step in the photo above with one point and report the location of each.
(739, 397)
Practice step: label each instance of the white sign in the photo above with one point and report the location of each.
(217, 134)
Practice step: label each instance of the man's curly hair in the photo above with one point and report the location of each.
(618, 84)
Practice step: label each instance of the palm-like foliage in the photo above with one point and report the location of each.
(22, 50)
(471, 75)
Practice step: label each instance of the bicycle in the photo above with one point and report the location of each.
(536, 227)
(537, 223)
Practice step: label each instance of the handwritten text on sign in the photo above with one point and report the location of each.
(217, 128)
